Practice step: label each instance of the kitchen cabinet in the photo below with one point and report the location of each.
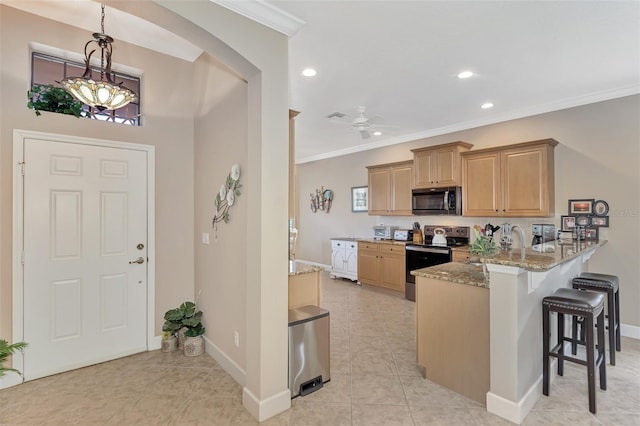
(438, 166)
(344, 258)
(509, 181)
(382, 265)
(390, 189)
(460, 255)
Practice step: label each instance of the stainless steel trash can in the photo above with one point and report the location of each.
(309, 365)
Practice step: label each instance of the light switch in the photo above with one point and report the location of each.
(205, 238)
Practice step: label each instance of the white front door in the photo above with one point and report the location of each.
(85, 221)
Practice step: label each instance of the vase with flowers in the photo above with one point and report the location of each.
(482, 245)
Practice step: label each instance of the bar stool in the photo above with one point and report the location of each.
(589, 306)
(606, 284)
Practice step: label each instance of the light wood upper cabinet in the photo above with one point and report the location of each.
(390, 189)
(438, 166)
(511, 181)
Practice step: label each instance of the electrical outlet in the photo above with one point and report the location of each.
(236, 339)
(205, 238)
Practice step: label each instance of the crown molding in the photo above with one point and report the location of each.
(265, 14)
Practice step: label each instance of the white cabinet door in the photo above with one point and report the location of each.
(337, 260)
(352, 263)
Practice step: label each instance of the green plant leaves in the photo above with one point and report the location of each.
(46, 97)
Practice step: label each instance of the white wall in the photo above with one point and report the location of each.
(598, 157)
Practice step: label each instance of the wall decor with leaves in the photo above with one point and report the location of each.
(227, 196)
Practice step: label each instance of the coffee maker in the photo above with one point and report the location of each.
(543, 233)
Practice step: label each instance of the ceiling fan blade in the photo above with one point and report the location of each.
(337, 114)
(364, 134)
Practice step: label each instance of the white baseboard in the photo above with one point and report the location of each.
(320, 265)
(516, 412)
(631, 331)
(234, 370)
(267, 408)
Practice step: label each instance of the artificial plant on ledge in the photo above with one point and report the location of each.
(46, 97)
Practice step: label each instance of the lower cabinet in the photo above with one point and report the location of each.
(382, 265)
(344, 259)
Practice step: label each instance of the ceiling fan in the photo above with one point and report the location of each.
(361, 123)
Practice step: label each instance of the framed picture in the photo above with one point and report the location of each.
(600, 221)
(360, 199)
(583, 207)
(583, 221)
(568, 223)
(590, 233)
(600, 208)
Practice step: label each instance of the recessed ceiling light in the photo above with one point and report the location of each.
(309, 72)
(486, 105)
(377, 133)
(465, 74)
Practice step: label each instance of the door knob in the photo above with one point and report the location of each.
(138, 260)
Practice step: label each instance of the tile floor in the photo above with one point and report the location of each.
(374, 381)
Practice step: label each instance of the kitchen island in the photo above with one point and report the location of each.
(507, 317)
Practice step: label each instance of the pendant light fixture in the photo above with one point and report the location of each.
(104, 93)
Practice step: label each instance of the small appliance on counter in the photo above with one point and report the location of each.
(383, 232)
(543, 233)
(403, 235)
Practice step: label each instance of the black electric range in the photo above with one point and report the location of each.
(420, 256)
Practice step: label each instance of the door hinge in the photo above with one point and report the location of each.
(21, 167)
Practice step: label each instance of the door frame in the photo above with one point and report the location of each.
(19, 137)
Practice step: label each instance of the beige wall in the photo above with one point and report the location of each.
(221, 141)
(598, 157)
(168, 125)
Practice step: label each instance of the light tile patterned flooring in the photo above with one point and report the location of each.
(374, 381)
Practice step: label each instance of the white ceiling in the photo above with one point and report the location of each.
(400, 59)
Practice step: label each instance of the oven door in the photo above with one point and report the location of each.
(418, 257)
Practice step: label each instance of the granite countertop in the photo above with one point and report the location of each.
(344, 238)
(298, 268)
(539, 258)
(543, 256)
(457, 272)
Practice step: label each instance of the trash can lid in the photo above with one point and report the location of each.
(306, 313)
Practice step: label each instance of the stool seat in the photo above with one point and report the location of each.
(592, 279)
(584, 301)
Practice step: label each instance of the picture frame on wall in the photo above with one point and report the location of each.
(581, 207)
(360, 199)
(590, 233)
(600, 208)
(567, 222)
(600, 221)
(583, 221)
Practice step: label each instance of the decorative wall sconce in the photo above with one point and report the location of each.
(226, 197)
(321, 200)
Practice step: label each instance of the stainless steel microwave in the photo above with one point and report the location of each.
(437, 201)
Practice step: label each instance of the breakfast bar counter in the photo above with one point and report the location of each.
(495, 314)
(304, 285)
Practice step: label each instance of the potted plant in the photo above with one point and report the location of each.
(185, 322)
(482, 245)
(5, 350)
(46, 97)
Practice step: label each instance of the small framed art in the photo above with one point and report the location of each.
(360, 199)
(600, 221)
(583, 207)
(568, 223)
(583, 221)
(590, 233)
(600, 208)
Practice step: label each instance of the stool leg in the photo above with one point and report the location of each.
(616, 297)
(545, 350)
(612, 327)
(561, 343)
(601, 351)
(591, 362)
(574, 335)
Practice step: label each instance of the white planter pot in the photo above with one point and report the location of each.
(181, 337)
(193, 346)
(170, 344)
